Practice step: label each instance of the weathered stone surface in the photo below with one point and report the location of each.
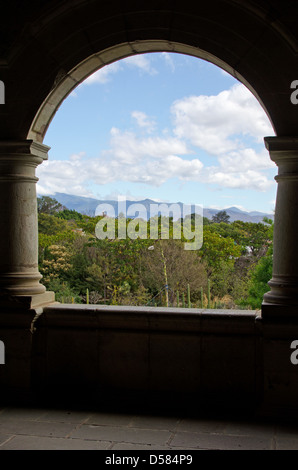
(221, 356)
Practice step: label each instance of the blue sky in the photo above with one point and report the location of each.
(163, 126)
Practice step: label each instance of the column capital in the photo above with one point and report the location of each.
(19, 159)
(16, 150)
(23, 146)
(284, 153)
(281, 144)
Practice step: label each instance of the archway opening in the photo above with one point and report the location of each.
(206, 132)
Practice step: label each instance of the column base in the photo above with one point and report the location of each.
(26, 302)
(21, 283)
(279, 312)
(284, 291)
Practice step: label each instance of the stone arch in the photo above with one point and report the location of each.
(47, 50)
(47, 47)
(52, 44)
(66, 82)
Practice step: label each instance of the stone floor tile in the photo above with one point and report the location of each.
(33, 428)
(249, 429)
(61, 416)
(28, 414)
(110, 419)
(4, 438)
(52, 443)
(128, 446)
(131, 446)
(201, 426)
(287, 430)
(122, 434)
(221, 442)
(287, 443)
(155, 422)
(36, 428)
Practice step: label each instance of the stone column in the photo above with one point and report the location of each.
(19, 276)
(283, 296)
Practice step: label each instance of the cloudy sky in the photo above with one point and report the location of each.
(163, 126)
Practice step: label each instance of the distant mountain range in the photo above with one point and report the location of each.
(89, 206)
(237, 214)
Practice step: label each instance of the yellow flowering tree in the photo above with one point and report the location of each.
(56, 264)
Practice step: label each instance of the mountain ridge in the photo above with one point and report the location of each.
(88, 206)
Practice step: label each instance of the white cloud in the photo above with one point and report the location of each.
(69, 177)
(250, 179)
(220, 125)
(77, 156)
(103, 75)
(126, 147)
(229, 126)
(241, 160)
(144, 121)
(159, 171)
(151, 160)
(64, 177)
(216, 123)
(118, 196)
(168, 60)
(141, 62)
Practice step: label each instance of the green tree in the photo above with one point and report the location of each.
(261, 274)
(63, 292)
(49, 225)
(68, 214)
(217, 250)
(253, 238)
(88, 224)
(182, 267)
(221, 216)
(48, 205)
(258, 284)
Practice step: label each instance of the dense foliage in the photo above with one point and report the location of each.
(230, 270)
